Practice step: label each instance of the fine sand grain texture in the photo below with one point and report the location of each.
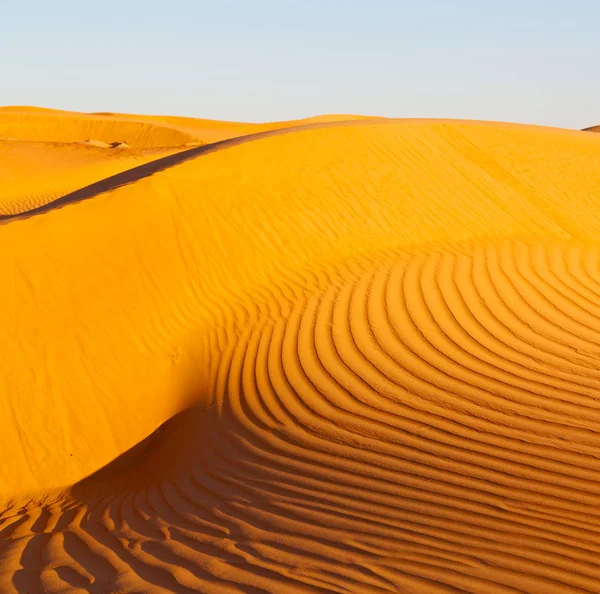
(330, 355)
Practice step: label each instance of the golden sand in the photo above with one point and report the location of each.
(330, 355)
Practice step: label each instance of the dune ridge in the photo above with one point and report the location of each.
(48, 153)
(33, 174)
(39, 127)
(355, 356)
(36, 124)
(152, 162)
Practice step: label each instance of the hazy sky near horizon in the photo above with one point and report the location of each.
(528, 61)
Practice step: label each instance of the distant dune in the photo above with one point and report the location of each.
(339, 354)
(592, 129)
(138, 131)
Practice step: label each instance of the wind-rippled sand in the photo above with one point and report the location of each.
(332, 355)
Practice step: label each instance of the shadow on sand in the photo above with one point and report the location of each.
(147, 169)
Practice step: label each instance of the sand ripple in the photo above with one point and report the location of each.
(427, 424)
(382, 415)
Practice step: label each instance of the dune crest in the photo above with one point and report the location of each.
(341, 356)
(39, 124)
(33, 174)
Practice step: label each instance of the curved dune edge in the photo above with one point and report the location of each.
(140, 276)
(388, 333)
(216, 130)
(121, 127)
(67, 128)
(159, 161)
(35, 174)
(424, 422)
(36, 124)
(46, 154)
(151, 165)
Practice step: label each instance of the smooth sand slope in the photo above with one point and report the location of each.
(135, 131)
(357, 356)
(46, 154)
(33, 174)
(215, 131)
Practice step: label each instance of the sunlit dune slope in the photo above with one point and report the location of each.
(67, 127)
(215, 130)
(40, 124)
(36, 173)
(202, 129)
(360, 356)
(262, 127)
(34, 109)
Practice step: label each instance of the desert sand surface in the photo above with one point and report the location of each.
(339, 354)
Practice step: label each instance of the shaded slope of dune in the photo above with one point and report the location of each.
(389, 332)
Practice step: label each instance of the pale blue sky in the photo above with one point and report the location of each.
(254, 60)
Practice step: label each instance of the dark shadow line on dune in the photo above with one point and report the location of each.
(135, 174)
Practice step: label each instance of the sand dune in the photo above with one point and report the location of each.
(35, 173)
(46, 154)
(58, 127)
(137, 131)
(352, 356)
(216, 131)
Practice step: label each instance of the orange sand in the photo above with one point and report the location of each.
(334, 355)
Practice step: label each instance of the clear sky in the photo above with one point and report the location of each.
(253, 60)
